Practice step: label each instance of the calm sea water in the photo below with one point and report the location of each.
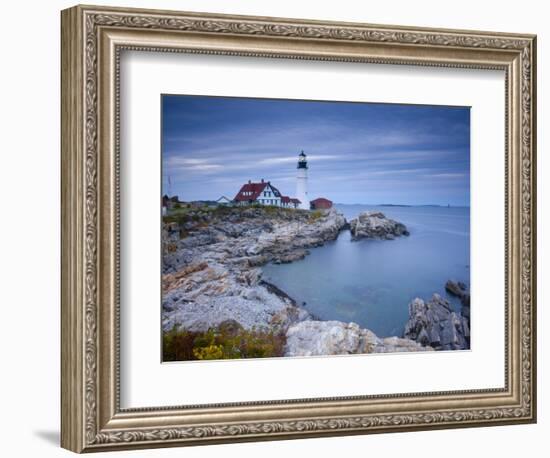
(371, 282)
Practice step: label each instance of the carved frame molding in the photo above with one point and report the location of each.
(92, 39)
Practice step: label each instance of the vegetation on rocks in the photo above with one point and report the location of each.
(229, 340)
(315, 215)
(192, 219)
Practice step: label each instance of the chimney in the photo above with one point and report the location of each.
(262, 180)
(249, 181)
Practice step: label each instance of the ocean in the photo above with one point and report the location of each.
(371, 282)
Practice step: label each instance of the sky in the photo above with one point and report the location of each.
(358, 153)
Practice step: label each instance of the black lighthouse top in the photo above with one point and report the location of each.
(302, 161)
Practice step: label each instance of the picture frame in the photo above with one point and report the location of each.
(93, 39)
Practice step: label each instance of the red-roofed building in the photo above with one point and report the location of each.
(320, 204)
(295, 202)
(287, 202)
(263, 193)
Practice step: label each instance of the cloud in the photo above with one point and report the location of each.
(211, 147)
(292, 159)
(448, 175)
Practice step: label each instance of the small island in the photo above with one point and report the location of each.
(375, 225)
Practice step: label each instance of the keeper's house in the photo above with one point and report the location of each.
(263, 193)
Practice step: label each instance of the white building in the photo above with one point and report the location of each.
(263, 193)
(301, 182)
(224, 201)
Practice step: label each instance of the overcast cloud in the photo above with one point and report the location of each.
(357, 152)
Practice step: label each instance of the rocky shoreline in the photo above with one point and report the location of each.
(212, 275)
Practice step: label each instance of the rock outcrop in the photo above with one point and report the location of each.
(375, 225)
(212, 261)
(435, 323)
(317, 338)
(460, 290)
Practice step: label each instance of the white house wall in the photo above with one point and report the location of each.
(267, 197)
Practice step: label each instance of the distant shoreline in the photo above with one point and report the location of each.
(403, 205)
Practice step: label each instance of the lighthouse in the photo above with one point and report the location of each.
(301, 182)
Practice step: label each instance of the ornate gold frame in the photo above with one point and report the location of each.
(92, 38)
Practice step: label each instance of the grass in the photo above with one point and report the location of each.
(190, 219)
(315, 215)
(185, 214)
(227, 341)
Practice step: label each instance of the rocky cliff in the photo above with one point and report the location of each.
(212, 260)
(212, 273)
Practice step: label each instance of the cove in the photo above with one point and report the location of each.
(371, 282)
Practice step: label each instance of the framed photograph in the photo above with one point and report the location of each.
(279, 228)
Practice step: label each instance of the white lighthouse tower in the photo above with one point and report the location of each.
(301, 182)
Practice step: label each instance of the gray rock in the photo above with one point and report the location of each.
(434, 323)
(314, 338)
(290, 256)
(460, 290)
(375, 225)
(457, 289)
(317, 338)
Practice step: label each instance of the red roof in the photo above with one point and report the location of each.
(321, 202)
(285, 199)
(251, 191)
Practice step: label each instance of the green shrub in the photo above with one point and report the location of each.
(178, 345)
(315, 215)
(223, 342)
(210, 352)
